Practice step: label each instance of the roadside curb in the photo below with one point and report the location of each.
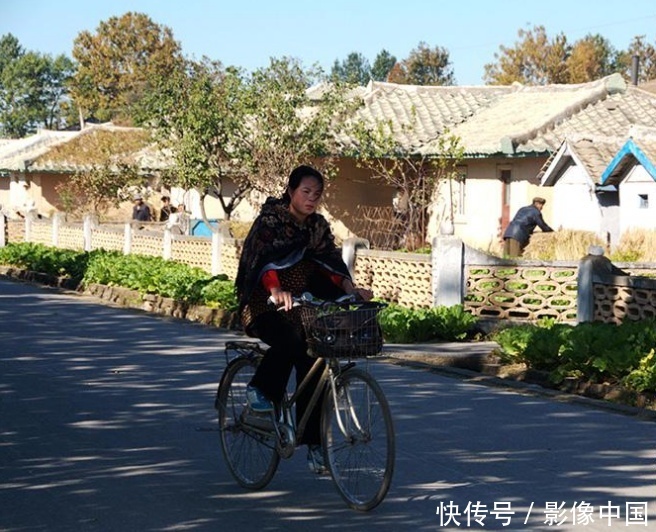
(522, 387)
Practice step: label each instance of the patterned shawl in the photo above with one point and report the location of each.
(277, 241)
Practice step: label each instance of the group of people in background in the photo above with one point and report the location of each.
(176, 218)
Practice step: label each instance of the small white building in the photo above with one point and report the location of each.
(580, 202)
(633, 172)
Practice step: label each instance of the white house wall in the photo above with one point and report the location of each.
(480, 225)
(480, 222)
(575, 204)
(633, 213)
(191, 200)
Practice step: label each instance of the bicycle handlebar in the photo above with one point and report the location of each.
(306, 298)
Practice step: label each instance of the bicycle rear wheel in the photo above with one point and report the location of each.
(249, 451)
(358, 439)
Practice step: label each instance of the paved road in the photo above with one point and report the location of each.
(106, 423)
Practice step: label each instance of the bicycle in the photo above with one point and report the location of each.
(357, 433)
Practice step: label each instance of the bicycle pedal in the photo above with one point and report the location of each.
(258, 420)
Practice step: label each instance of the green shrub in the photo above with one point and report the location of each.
(145, 274)
(513, 341)
(604, 351)
(404, 325)
(44, 259)
(148, 275)
(219, 292)
(452, 323)
(536, 345)
(643, 378)
(600, 352)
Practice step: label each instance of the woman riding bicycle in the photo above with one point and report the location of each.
(289, 250)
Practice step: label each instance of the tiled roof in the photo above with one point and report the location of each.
(7, 142)
(99, 144)
(595, 156)
(592, 154)
(430, 110)
(610, 117)
(510, 120)
(648, 148)
(522, 121)
(527, 118)
(649, 86)
(641, 149)
(599, 155)
(18, 154)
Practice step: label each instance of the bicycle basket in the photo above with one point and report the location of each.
(343, 330)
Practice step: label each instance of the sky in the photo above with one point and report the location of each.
(247, 33)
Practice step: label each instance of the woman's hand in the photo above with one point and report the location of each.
(363, 293)
(281, 298)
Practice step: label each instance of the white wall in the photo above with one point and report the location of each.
(634, 215)
(480, 225)
(575, 204)
(191, 200)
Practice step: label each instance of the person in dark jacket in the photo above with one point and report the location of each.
(289, 249)
(519, 231)
(166, 210)
(140, 211)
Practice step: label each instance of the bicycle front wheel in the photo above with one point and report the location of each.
(358, 439)
(249, 452)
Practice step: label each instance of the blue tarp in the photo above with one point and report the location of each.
(200, 228)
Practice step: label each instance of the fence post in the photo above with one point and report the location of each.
(3, 230)
(168, 244)
(127, 239)
(56, 224)
(592, 265)
(28, 228)
(88, 232)
(447, 261)
(585, 291)
(350, 250)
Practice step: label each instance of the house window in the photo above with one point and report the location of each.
(643, 201)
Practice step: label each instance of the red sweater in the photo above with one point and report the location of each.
(270, 279)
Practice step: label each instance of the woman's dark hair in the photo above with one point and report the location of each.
(297, 176)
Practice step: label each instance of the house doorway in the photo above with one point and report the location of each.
(505, 176)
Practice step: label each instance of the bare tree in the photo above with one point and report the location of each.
(414, 175)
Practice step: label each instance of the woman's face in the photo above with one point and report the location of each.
(305, 198)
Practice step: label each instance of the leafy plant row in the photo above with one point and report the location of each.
(600, 352)
(147, 275)
(154, 275)
(404, 325)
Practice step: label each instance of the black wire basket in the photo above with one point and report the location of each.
(343, 330)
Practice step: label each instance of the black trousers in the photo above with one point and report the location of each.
(287, 350)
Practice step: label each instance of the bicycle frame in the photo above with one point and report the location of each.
(330, 372)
